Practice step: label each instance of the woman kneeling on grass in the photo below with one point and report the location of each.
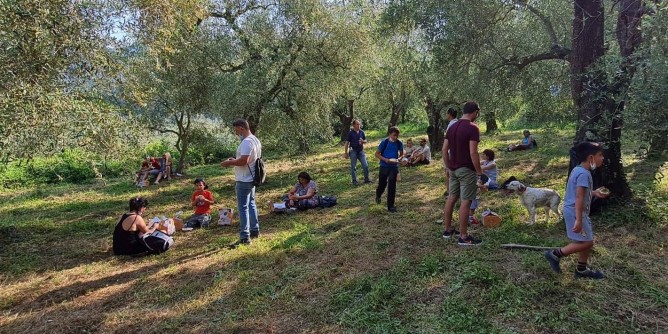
(130, 229)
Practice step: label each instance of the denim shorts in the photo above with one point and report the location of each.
(586, 234)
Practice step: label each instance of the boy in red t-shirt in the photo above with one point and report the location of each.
(201, 199)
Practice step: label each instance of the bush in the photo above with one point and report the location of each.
(210, 143)
(73, 166)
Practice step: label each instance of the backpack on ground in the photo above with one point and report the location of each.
(327, 201)
(157, 242)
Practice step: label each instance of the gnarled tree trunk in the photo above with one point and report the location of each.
(435, 129)
(398, 108)
(598, 101)
(490, 122)
(346, 113)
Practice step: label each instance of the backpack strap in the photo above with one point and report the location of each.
(385, 143)
(384, 147)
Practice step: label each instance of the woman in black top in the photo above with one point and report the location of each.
(130, 228)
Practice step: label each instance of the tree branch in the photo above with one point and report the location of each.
(556, 51)
(546, 22)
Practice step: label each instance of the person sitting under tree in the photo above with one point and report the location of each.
(528, 142)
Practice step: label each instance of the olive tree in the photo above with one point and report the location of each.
(55, 56)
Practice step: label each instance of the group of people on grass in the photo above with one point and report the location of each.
(152, 166)
(467, 174)
(460, 156)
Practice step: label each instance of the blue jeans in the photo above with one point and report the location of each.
(353, 165)
(247, 209)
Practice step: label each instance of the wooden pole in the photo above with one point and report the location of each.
(519, 246)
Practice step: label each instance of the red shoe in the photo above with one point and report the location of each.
(473, 220)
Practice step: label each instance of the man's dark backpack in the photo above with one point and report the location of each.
(260, 175)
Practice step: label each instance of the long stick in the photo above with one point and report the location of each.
(519, 246)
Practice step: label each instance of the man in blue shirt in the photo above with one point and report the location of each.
(355, 142)
(389, 153)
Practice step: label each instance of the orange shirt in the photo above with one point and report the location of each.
(202, 207)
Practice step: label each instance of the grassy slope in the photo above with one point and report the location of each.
(352, 268)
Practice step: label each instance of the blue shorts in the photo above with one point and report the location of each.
(585, 235)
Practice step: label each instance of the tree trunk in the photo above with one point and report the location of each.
(394, 118)
(183, 139)
(657, 145)
(346, 114)
(588, 47)
(490, 122)
(183, 152)
(600, 103)
(254, 119)
(398, 107)
(434, 130)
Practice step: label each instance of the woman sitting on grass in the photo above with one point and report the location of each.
(130, 229)
(303, 195)
(528, 142)
(166, 166)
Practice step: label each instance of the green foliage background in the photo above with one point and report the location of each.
(111, 79)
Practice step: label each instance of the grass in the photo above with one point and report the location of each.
(352, 268)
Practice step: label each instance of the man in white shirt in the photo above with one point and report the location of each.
(249, 150)
(451, 117)
(421, 156)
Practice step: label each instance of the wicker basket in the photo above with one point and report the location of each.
(178, 223)
(491, 221)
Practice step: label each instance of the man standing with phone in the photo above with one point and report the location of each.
(249, 150)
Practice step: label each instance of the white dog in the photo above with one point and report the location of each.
(533, 198)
